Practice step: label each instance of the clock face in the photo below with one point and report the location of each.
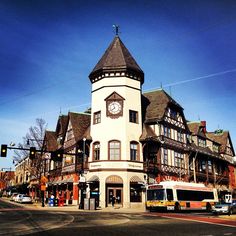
(114, 107)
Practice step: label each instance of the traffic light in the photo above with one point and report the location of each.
(32, 153)
(57, 155)
(3, 150)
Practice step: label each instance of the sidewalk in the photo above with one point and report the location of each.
(38, 206)
(75, 208)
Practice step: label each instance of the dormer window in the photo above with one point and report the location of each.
(201, 142)
(215, 148)
(173, 114)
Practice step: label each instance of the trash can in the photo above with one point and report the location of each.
(61, 201)
(92, 204)
(86, 204)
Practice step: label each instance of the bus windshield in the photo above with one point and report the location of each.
(155, 194)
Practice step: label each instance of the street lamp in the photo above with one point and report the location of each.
(81, 175)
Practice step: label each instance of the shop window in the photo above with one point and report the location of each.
(135, 192)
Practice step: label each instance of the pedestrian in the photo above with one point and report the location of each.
(113, 199)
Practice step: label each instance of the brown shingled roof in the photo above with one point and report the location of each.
(194, 127)
(147, 133)
(155, 103)
(80, 123)
(117, 57)
(61, 125)
(50, 140)
(221, 138)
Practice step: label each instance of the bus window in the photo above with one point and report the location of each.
(155, 194)
(169, 194)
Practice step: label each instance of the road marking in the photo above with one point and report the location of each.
(200, 221)
(205, 220)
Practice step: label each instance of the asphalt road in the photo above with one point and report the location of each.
(18, 220)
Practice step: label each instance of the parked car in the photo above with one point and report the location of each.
(13, 196)
(25, 199)
(18, 197)
(224, 208)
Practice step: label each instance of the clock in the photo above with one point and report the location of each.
(114, 107)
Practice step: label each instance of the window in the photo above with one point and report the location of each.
(173, 114)
(167, 132)
(180, 136)
(201, 142)
(209, 166)
(179, 160)
(215, 148)
(96, 151)
(133, 151)
(135, 192)
(69, 134)
(97, 117)
(165, 156)
(202, 166)
(114, 150)
(133, 116)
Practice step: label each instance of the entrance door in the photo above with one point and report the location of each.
(117, 193)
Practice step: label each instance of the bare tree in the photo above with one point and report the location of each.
(34, 138)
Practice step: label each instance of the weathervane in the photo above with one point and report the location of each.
(116, 27)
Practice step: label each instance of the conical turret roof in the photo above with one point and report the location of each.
(117, 58)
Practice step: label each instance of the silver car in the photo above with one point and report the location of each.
(224, 208)
(25, 199)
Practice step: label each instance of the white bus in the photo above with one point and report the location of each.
(177, 196)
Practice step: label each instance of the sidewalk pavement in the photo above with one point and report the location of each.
(38, 206)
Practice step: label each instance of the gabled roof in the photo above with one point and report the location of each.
(117, 58)
(222, 138)
(194, 127)
(50, 140)
(147, 133)
(80, 125)
(61, 125)
(155, 103)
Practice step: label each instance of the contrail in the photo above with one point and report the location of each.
(199, 78)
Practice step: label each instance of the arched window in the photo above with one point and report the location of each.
(114, 150)
(134, 151)
(96, 151)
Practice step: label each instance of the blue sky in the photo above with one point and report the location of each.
(48, 48)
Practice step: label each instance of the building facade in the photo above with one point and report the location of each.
(129, 139)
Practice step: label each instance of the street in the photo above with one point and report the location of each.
(17, 219)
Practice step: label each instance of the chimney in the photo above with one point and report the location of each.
(203, 125)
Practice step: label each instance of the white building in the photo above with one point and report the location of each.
(116, 161)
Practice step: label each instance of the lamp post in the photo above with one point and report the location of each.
(81, 175)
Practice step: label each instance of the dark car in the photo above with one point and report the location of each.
(224, 208)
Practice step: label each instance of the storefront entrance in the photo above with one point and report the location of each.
(117, 192)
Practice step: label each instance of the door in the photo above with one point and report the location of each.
(117, 193)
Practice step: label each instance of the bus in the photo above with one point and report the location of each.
(177, 196)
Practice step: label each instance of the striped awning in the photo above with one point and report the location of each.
(94, 178)
(114, 179)
(136, 179)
